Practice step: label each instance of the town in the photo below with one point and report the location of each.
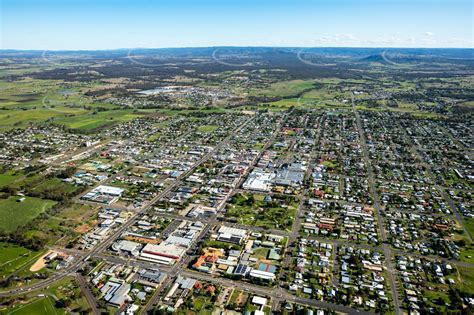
(311, 201)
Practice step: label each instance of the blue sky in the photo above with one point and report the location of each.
(107, 24)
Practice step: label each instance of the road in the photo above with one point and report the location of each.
(295, 229)
(87, 294)
(275, 293)
(373, 191)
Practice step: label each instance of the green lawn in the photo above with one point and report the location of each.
(16, 117)
(287, 102)
(467, 254)
(32, 100)
(39, 306)
(154, 137)
(14, 214)
(27, 181)
(467, 275)
(207, 128)
(469, 224)
(261, 253)
(434, 296)
(329, 164)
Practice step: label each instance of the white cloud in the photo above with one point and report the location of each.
(426, 39)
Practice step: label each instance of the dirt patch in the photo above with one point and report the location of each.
(84, 228)
(143, 240)
(241, 298)
(40, 263)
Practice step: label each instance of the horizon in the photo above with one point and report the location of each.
(217, 47)
(107, 25)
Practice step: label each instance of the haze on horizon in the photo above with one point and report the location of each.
(107, 24)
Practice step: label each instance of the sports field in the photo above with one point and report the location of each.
(14, 257)
(44, 305)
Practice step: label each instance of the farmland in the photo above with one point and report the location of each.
(95, 120)
(285, 89)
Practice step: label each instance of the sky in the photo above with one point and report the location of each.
(111, 24)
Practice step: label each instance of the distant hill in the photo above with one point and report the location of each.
(375, 58)
(365, 54)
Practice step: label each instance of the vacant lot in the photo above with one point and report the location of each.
(14, 214)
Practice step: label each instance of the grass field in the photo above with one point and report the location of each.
(8, 178)
(285, 103)
(40, 306)
(467, 275)
(43, 301)
(469, 224)
(11, 252)
(57, 185)
(467, 254)
(207, 128)
(61, 228)
(92, 121)
(154, 137)
(14, 257)
(30, 100)
(284, 89)
(14, 214)
(20, 118)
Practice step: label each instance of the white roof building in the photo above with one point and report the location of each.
(108, 190)
(164, 253)
(259, 180)
(259, 300)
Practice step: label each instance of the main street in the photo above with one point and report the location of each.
(212, 222)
